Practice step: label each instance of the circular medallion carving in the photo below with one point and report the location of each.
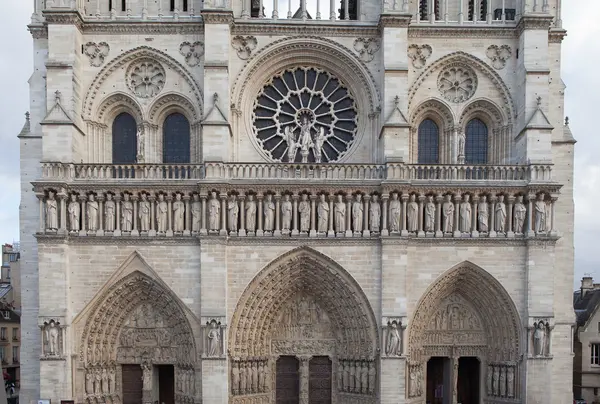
(305, 115)
(146, 78)
(457, 83)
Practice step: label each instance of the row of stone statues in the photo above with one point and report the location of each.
(250, 376)
(501, 381)
(100, 380)
(322, 214)
(185, 381)
(357, 377)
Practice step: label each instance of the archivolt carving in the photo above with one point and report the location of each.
(436, 107)
(466, 60)
(492, 113)
(163, 105)
(451, 315)
(128, 57)
(117, 103)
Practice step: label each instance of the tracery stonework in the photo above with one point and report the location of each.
(145, 77)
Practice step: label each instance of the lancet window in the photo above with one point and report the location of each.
(428, 142)
(476, 145)
(176, 139)
(124, 139)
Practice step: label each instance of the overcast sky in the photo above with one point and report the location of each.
(581, 56)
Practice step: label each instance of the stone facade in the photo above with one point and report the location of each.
(300, 230)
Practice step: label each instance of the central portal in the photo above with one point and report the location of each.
(449, 376)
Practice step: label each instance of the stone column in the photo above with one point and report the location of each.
(366, 232)
(242, 199)
(553, 199)
(492, 215)
(62, 198)
(295, 214)
(455, 380)
(82, 224)
(152, 230)
(223, 196)
(313, 215)
(187, 226)
(117, 199)
(134, 219)
(259, 230)
(529, 230)
(474, 232)
(304, 378)
(277, 229)
(439, 199)
(403, 216)
(40, 197)
(421, 233)
(169, 199)
(509, 216)
(348, 215)
(100, 198)
(457, 200)
(331, 232)
(384, 214)
(203, 230)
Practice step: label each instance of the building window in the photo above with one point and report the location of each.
(172, 5)
(15, 354)
(124, 5)
(124, 140)
(481, 16)
(476, 144)
(428, 142)
(3, 333)
(185, 5)
(15, 334)
(176, 139)
(6, 315)
(595, 354)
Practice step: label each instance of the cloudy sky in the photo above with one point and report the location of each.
(581, 56)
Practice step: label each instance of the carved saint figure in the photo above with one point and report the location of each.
(113, 380)
(340, 376)
(261, 378)
(89, 382)
(465, 215)
(319, 141)
(214, 209)
(74, 211)
(52, 333)
(288, 136)
(233, 210)
(415, 382)
(352, 377)
(98, 384)
(483, 214)
(372, 375)
(496, 381)
(345, 375)
(126, 213)
(251, 214)
(235, 379)
(144, 212)
(92, 213)
(105, 389)
(178, 214)
(448, 210)
(393, 340)
(395, 210)
(357, 213)
(500, 218)
(430, 215)
(510, 382)
(51, 212)
(249, 377)
(214, 338)
(539, 335)
(141, 146)
(109, 213)
(196, 213)
(364, 378)
(255, 385)
(489, 377)
(461, 144)
(502, 379)
(161, 214)
(339, 211)
(305, 137)
(540, 214)
(286, 213)
(412, 214)
(269, 211)
(304, 209)
(519, 215)
(323, 210)
(146, 376)
(374, 214)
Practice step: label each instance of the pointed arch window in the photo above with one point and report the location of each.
(476, 142)
(176, 139)
(124, 139)
(428, 142)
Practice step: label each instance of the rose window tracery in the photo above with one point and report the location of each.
(146, 78)
(305, 115)
(457, 83)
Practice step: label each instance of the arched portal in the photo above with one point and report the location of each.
(138, 345)
(464, 340)
(303, 319)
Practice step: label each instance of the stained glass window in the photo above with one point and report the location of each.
(176, 139)
(124, 140)
(428, 142)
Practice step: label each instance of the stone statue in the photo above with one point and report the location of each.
(112, 377)
(319, 142)
(430, 215)
(196, 213)
(304, 209)
(178, 214)
(233, 211)
(519, 215)
(109, 213)
(235, 379)
(500, 219)
(144, 212)
(414, 386)
(141, 146)
(51, 212)
(339, 211)
(395, 211)
(286, 213)
(364, 378)
(161, 214)
(393, 347)
(267, 378)
(305, 137)
(249, 377)
(352, 377)
(98, 384)
(489, 376)
(255, 385)
(412, 214)
(288, 136)
(496, 377)
(214, 210)
(465, 215)
(448, 211)
(483, 214)
(345, 375)
(323, 210)
(146, 376)
(261, 378)
(52, 334)
(340, 376)
(357, 213)
(374, 214)
(510, 382)
(251, 214)
(539, 335)
(269, 211)
(89, 382)
(214, 340)
(105, 389)
(461, 144)
(372, 376)
(126, 213)
(74, 211)
(92, 213)
(502, 380)
(540, 214)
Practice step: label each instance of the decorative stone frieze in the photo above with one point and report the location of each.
(96, 52)
(498, 55)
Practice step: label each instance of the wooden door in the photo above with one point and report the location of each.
(287, 382)
(319, 382)
(132, 384)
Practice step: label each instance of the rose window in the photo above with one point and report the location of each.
(305, 115)
(457, 83)
(145, 78)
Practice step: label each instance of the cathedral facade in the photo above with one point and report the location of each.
(304, 201)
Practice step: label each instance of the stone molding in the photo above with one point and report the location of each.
(415, 31)
(217, 17)
(337, 29)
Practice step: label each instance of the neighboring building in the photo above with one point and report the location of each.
(351, 202)
(10, 341)
(10, 280)
(586, 365)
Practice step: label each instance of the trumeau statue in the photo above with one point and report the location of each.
(51, 212)
(52, 338)
(540, 214)
(483, 214)
(74, 210)
(393, 343)
(323, 210)
(304, 209)
(214, 340)
(448, 210)
(412, 214)
(196, 213)
(339, 210)
(286, 213)
(144, 212)
(161, 214)
(269, 211)
(395, 211)
(465, 215)
(109, 213)
(233, 211)
(430, 215)
(374, 214)
(126, 213)
(357, 213)
(178, 214)
(539, 338)
(92, 213)
(519, 215)
(251, 214)
(214, 209)
(500, 218)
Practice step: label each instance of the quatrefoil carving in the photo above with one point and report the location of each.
(419, 55)
(192, 52)
(244, 45)
(97, 52)
(498, 55)
(366, 48)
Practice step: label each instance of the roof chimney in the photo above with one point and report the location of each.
(587, 284)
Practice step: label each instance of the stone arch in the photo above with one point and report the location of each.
(314, 52)
(169, 103)
(440, 112)
(115, 104)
